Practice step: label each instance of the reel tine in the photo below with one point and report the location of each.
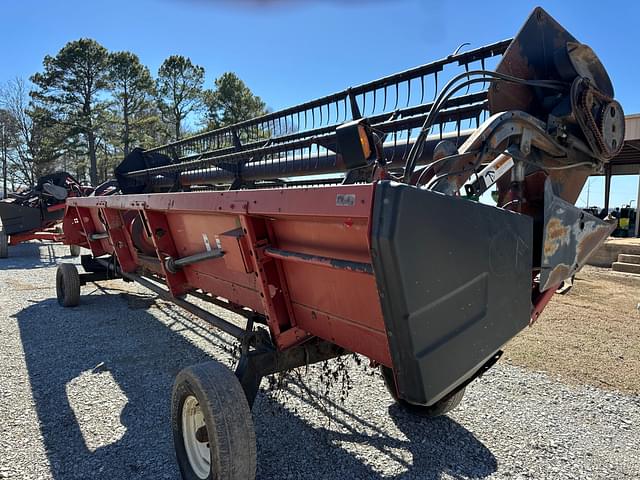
(373, 109)
(395, 145)
(406, 146)
(397, 95)
(384, 105)
(435, 93)
(466, 69)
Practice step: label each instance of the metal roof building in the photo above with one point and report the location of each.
(627, 162)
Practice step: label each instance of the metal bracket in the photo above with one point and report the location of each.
(255, 365)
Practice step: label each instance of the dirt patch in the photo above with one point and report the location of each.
(590, 335)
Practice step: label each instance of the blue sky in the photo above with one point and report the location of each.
(289, 52)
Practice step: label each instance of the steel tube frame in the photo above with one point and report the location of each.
(174, 264)
(319, 260)
(98, 236)
(214, 320)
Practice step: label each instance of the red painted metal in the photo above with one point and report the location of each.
(55, 208)
(47, 229)
(299, 299)
(540, 301)
(50, 235)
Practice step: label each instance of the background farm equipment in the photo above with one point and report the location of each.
(379, 247)
(33, 214)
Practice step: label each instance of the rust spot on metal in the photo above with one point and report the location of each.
(556, 234)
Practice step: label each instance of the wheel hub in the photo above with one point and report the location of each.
(202, 435)
(196, 438)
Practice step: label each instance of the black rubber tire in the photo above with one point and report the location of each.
(67, 285)
(231, 436)
(4, 244)
(441, 407)
(74, 250)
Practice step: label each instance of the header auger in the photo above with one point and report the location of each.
(351, 224)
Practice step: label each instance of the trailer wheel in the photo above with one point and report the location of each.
(74, 250)
(212, 427)
(4, 244)
(67, 285)
(441, 407)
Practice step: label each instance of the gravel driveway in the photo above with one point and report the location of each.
(84, 393)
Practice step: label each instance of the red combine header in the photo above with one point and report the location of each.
(35, 214)
(351, 224)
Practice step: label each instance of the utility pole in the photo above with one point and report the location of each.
(637, 232)
(588, 189)
(4, 165)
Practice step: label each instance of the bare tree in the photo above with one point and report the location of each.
(33, 137)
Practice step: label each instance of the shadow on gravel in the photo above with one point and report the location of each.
(30, 255)
(140, 354)
(434, 446)
(106, 337)
(440, 445)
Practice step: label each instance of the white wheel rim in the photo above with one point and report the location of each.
(198, 453)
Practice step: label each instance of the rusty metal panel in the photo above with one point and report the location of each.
(570, 237)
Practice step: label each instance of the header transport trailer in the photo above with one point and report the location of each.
(351, 223)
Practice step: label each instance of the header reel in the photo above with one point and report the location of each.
(552, 120)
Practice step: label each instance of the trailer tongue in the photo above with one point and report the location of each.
(350, 224)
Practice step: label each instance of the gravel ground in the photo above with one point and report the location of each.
(589, 336)
(84, 393)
